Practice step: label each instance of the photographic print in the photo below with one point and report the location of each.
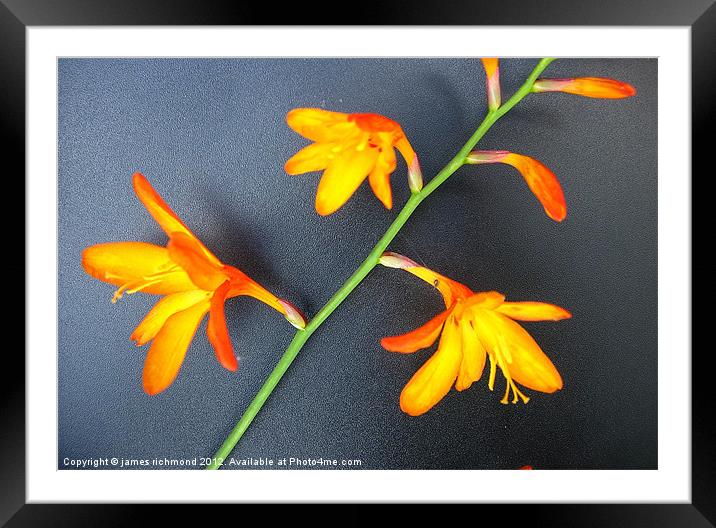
(357, 263)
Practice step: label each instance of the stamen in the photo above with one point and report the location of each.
(140, 284)
(493, 372)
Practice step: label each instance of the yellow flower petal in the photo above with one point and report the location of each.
(343, 176)
(533, 311)
(526, 362)
(169, 347)
(163, 310)
(320, 125)
(432, 382)
(473, 357)
(138, 265)
(314, 157)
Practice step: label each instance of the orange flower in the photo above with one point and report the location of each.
(492, 70)
(473, 327)
(541, 181)
(193, 281)
(587, 86)
(351, 148)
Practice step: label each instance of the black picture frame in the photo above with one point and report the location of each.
(17, 15)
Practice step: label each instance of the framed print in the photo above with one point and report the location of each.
(360, 264)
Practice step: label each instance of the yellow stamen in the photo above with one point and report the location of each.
(493, 372)
(140, 284)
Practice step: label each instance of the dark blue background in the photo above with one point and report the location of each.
(211, 137)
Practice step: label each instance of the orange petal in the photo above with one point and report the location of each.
(169, 347)
(320, 125)
(314, 157)
(374, 123)
(163, 310)
(343, 176)
(542, 182)
(527, 364)
(217, 330)
(135, 264)
(379, 178)
(406, 150)
(490, 66)
(533, 311)
(187, 252)
(417, 339)
(490, 300)
(162, 213)
(473, 357)
(432, 382)
(597, 87)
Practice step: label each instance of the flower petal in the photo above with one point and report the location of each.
(169, 347)
(421, 337)
(314, 157)
(432, 382)
(490, 300)
(379, 178)
(490, 66)
(533, 311)
(474, 356)
(163, 214)
(597, 87)
(542, 182)
(143, 265)
(163, 310)
(343, 176)
(527, 364)
(188, 253)
(321, 125)
(217, 331)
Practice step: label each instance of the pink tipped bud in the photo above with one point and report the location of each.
(597, 87)
(293, 315)
(486, 156)
(395, 260)
(492, 70)
(415, 176)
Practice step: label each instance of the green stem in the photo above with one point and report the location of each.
(365, 268)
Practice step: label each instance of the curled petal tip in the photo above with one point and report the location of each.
(293, 315)
(395, 260)
(415, 176)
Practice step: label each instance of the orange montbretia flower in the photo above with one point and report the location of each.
(541, 181)
(597, 87)
(473, 327)
(193, 281)
(351, 148)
